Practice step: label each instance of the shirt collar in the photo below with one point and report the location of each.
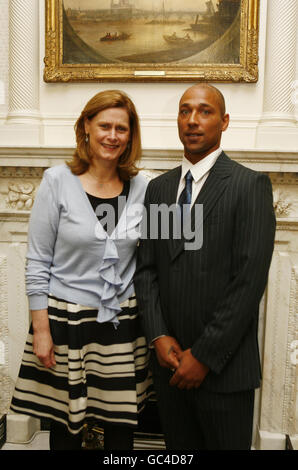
(199, 169)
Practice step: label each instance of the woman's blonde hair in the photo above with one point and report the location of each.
(127, 162)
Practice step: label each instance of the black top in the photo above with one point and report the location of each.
(109, 218)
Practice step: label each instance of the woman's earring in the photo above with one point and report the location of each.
(87, 138)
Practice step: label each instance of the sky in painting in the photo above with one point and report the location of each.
(143, 4)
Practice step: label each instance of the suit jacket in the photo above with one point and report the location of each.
(208, 299)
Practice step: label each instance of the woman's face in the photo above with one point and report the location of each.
(109, 133)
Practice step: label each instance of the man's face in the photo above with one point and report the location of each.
(200, 122)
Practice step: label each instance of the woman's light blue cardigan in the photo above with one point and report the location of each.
(71, 256)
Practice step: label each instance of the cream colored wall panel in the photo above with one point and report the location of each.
(14, 315)
(158, 131)
(5, 380)
(278, 413)
(274, 360)
(17, 303)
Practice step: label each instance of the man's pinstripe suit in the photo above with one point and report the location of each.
(208, 299)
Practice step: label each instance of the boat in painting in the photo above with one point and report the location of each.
(174, 40)
(115, 37)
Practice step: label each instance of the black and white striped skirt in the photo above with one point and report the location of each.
(100, 373)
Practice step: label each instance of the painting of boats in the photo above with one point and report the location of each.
(142, 31)
(134, 34)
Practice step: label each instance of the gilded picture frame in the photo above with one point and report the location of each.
(160, 42)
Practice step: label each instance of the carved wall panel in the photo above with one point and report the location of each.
(279, 388)
(18, 187)
(14, 316)
(285, 194)
(5, 381)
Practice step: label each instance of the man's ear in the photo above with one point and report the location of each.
(225, 121)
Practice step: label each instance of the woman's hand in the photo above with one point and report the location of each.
(43, 346)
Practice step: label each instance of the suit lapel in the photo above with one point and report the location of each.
(169, 198)
(171, 186)
(212, 189)
(214, 185)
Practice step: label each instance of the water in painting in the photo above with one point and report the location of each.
(150, 31)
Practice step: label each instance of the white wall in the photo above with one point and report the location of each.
(157, 104)
(61, 103)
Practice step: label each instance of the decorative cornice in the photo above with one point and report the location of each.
(156, 158)
(15, 216)
(21, 171)
(285, 225)
(284, 178)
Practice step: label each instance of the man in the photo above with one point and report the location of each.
(199, 307)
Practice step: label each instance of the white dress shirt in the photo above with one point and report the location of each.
(199, 171)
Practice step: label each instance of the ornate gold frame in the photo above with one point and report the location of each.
(245, 71)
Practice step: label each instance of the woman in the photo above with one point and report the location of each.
(86, 356)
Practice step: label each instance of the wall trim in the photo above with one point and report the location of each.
(153, 158)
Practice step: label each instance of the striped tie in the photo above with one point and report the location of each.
(185, 196)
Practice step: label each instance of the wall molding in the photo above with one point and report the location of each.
(153, 158)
